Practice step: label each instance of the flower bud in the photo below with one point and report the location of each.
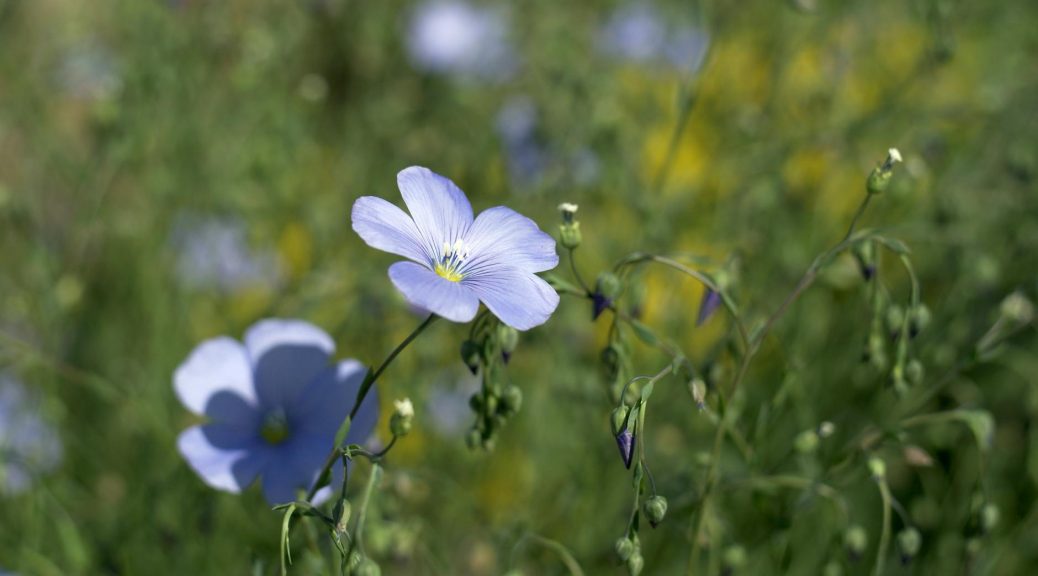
(511, 400)
(909, 542)
(568, 211)
(619, 418)
(624, 548)
(877, 468)
(655, 509)
(625, 442)
(403, 415)
(914, 371)
(826, 429)
(708, 305)
(607, 288)
(918, 319)
(806, 442)
(879, 179)
(342, 516)
(470, 355)
(1017, 309)
(855, 540)
(989, 517)
(865, 254)
(734, 558)
(698, 387)
(507, 339)
(367, 567)
(895, 317)
(569, 235)
(635, 564)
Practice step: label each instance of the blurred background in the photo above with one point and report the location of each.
(175, 170)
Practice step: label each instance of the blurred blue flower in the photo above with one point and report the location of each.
(214, 253)
(274, 405)
(29, 446)
(517, 126)
(448, 402)
(455, 37)
(637, 32)
(456, 261)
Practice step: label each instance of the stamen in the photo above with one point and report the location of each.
(275, 427)
(451, 260)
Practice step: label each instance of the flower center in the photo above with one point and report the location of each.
(275, 427)
(452, 260)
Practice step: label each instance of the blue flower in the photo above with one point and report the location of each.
(29, 446)
(215, 253)
(638, 33)
(274, 405)
(456, 261)
(454, 37)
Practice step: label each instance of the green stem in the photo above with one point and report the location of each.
(362, 393)
(884, 538)
(362, 513)
(576, 273)
(564, 554)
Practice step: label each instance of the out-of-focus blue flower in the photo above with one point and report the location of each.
(214, 253)
(638, 33)
(448, 402)
(88, 71)
(274, 405)
(455, 37)
(517, 126)
(29, 446)
(456, 261)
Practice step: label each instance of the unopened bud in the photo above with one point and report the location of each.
(635, 564)
(619, 418)
(989, 517)
(865, 254)
(914, 371)
(877, 468)
(698, 387)
(403, 415)
(708, 305)
(470, 355)
(1017, 309)
(607, 288)
(826, 429)
(655, 509)
(734, 558)
(806, 442)
(511, 400)
(569, 235)
(909, 541)
(367, 567)
(918, 319)
(625, 442)
(856, 540)
(895, 317)
(508, 340)
(879, 179)
(624, 548)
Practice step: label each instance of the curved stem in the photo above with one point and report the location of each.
(564, 554)
(369, 380)
(358, 531)
(576, 273)
(884, 538)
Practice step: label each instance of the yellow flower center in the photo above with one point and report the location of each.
(451, 261)
(275, 427)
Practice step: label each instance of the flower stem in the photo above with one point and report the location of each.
(884, 539)
(358, 531)
(362, 393)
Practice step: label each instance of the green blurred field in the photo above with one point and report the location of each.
(125, 125)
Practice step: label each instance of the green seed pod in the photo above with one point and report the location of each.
(608, 285)
(511, 400)
(877, 468)
(569, 235)
(655, 509)
(618, 418)
(470, 355)
(508, 340)
(909, 541)
(734, 557)
(855, 540)
(367, 567)
(918, 319)
(989, 517)
(806, 442)
(895, 317)
(635, 564)
(624, 548)
(914, 371)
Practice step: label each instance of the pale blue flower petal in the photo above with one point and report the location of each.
(325, 403)
(230, 468)
(214, 366)
(439, 208)
(286, 356)
(294, 467)
(501, 235)
(384, 226)
(518, 298)
(423, 287)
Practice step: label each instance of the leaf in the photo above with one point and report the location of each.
(894, 245)
(286, 549)
(644, 333)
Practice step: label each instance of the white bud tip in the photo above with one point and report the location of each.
(568, 207)
(404, 407)
(894, 155)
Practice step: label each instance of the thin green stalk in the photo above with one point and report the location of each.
(362, 393)
(362, 513)
(884, 538)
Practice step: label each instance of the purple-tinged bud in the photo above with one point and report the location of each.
(508, 339)
(599, 304)
(708, 305)
(625, 442)
(607, 288)
(470, 355)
